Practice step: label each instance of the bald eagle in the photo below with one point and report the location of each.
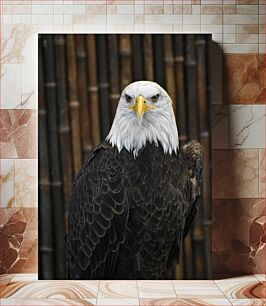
(135, 199)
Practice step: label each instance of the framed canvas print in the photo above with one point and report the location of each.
(124, 156)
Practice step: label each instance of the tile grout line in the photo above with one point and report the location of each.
(221, 291)
(138, 291)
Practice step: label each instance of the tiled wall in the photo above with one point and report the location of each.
(238, 113)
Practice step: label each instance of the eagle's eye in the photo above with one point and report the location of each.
(128, 98)
(155, 98)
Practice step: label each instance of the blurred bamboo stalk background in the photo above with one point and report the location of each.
(80, 80)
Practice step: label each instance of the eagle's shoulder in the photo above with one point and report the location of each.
(100, 154)
(193, 153)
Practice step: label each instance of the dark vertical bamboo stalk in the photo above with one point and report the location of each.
(93, 89)
(181, 115)
(137, 58)
(103, 84)
(158, 50)
(148, 57)
(83, 96)
(125, 60)
(181, 108)
(191, 87)
(74, 104)
(179, 270)
(170, 68)
(188, 257)
(63, 116)
(113, 62)
(54, 154)
(46, 269)
(205, 139)
(193, 129)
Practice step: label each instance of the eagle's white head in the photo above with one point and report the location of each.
(144, 113)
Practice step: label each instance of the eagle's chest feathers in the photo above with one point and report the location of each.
(150, 174)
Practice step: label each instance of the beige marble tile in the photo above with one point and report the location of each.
(123, 19)
(262, 28)
(247, 2)
(262, 38)
(178, 9)
(51, 290)
(235, 173)
(247, 126)
(21, 9)
(262, 49)
(117, 302)
(5, 279)
(11, 86)
(219, 2)
(139, 8)
(247, 38)
(191, 19)
(240, 19)
(218, 28)
(248, 302)
(42, 19)
(195, 9)
(187, 9)
(229, 29)
(217, 38)
(247, 9)
(7, 182)
(248, 28)
(58, 19)
(260, 277)
(163, 19)
(18, 44)
(160, 28)
(151, 9)
(139, 19)
(118, 289)
(183, 302)
(197, 289)
(242, 289)
(191, 28)
(211, 19)
(229, 38)
(42, 9)
(111, 10)
(25, 277)
(240, 48)
(211, 9)
(124, 9)
(156, 289)
(44, 302)
(6, 9)
(120, 1)
(29, 86)
(229, 9)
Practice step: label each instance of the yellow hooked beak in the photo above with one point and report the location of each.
(141, 107)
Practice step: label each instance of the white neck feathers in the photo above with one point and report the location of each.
(156, 127)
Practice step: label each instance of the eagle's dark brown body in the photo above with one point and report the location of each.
(128, 217)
